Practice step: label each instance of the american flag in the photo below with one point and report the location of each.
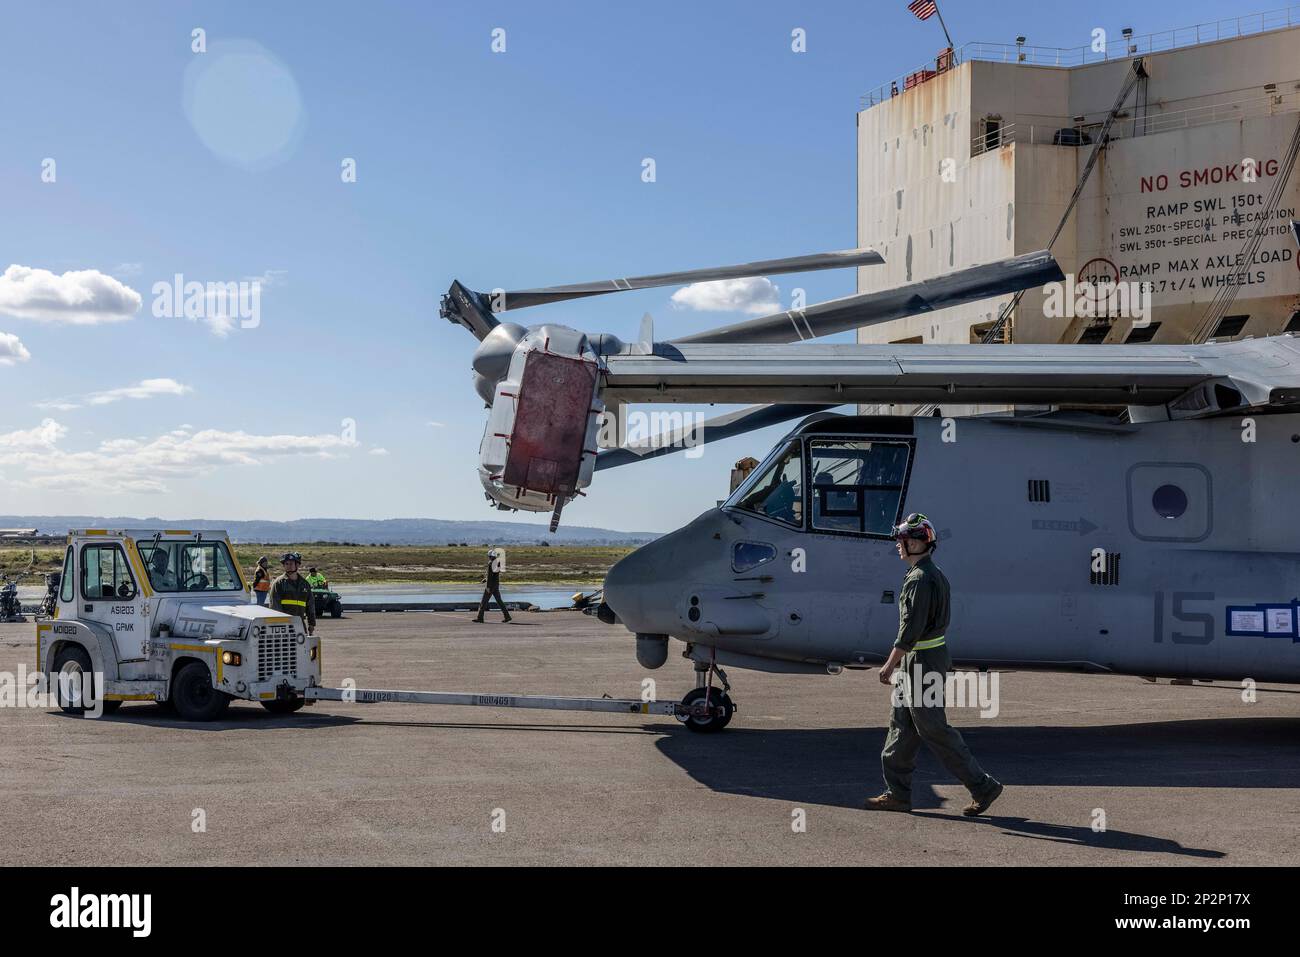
(924, 9)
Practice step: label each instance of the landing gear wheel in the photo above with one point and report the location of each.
(193, 695)
(284, 705)
(718, 699)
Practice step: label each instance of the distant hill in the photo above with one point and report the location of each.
(394, 531)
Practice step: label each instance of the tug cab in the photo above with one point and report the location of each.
(165, 616)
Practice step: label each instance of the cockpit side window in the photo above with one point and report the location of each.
(857, 484)
(775, 492)
(104, 573)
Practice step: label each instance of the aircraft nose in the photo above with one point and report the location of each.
(630, 586)
(643, 588)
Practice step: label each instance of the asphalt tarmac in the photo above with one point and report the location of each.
(1099, 770)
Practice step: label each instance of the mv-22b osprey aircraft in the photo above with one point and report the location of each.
(1159, 540)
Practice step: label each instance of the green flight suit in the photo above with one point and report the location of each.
(924, 609)
(294, 598)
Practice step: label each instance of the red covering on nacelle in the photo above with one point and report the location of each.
(554, 404)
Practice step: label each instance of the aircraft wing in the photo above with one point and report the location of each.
(1192, 379)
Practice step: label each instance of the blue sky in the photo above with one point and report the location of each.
(511, 169)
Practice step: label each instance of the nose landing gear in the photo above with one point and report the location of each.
(706, 709)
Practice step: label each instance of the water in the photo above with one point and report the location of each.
(543, 596)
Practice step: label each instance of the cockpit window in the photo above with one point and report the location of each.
(857, 485)
(775, 492)
(190, 566)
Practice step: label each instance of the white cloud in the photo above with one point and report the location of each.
(43, 437)
(146, 464)
(757, 296)
(82, 297)
(144, 389)
(378, 451)
(12, 350)
(438, 425)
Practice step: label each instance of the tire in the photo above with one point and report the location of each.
(193, 696)
(74, 660)
(709, 725)
(110, 707)
(283, 705)
(336, 609)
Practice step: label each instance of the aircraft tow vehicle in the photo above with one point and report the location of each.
(165, 616)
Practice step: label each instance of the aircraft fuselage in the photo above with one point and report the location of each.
(1163, 549)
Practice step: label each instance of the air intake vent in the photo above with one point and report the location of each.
(276, 657)
(1110, 575)
(1040, 490)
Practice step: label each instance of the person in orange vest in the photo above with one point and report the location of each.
(261, 580)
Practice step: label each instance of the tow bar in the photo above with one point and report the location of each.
(697, 710)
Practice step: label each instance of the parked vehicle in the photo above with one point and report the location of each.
(10, 608)
(328, 602)
(51, 599)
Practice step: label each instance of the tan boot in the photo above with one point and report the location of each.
(886, 802)
(980, 805)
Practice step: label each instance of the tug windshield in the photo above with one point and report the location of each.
(190, 566)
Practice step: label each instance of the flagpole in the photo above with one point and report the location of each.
(942, 24)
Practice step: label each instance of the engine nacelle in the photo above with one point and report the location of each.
(539, 446)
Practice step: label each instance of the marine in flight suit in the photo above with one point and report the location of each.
(924, 610)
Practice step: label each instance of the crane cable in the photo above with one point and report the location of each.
(1226, 295)
(1103, 137)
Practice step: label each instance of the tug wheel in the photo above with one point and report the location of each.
(193, 695)
(710, 725)
(72, 661)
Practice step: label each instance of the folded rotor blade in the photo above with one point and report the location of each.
(711, 430)
(468, 308)
(864, 309)
(768, 267)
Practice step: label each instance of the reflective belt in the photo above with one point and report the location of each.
(928, 643)
(292, 601)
